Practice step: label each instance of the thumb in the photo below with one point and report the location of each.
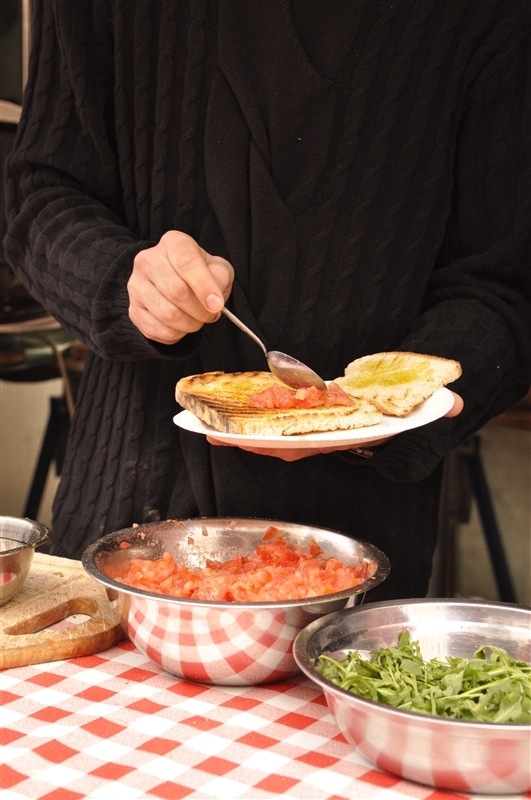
(223, 273)
(457, 406)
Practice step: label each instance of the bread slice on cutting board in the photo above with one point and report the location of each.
(221, 400)
(397, 382)
(34, 625)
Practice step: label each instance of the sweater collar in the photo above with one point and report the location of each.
(288, 107)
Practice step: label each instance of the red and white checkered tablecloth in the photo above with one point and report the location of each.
(115, 727)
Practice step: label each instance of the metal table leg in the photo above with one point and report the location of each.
(472, 455)
(57, 419)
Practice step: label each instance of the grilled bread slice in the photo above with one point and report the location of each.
(398, 382)
(221, 400)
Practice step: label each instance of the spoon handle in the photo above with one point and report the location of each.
(243, 327)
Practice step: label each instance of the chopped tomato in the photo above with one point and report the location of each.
(314, 548)
(270, 533)
(284, 397)
(337, 397)
(273, 397)
(312, 397)
(275, 571)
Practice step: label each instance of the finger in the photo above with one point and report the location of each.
(156, 282)
(297, 453)
(284, 453)
(222, 272)
(457, 406)
(154, 315)
(152, 328)
(190, 263)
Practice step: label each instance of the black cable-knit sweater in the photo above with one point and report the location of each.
(365, 167)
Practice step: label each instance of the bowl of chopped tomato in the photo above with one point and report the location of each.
(221, 600)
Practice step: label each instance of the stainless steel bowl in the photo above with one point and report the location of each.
(222, 642)
(461, 755)
(18, 540)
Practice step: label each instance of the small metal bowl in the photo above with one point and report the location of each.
(460, 755)
(18, 540)
(221, 642)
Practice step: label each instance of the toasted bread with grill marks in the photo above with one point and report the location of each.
(398, 382)
(221, 400)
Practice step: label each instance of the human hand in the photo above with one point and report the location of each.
(296, 454)
(176, 287)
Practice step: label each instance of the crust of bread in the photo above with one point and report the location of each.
(397, 382)
(221, 400)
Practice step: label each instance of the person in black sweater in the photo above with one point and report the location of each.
(349, 177)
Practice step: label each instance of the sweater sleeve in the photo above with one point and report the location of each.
(68, 239)
(477, 308)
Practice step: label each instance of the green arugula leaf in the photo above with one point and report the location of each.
(492, 686)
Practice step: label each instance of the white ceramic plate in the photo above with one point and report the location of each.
(434, 408)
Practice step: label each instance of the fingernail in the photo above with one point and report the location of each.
(214, 302)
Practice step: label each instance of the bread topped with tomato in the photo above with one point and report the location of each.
(257, 403)
(397, 382)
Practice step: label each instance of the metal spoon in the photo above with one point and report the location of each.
(286, 368)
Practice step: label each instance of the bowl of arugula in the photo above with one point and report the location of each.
(434, 691)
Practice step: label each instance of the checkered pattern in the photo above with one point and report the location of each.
(229, 646)
(117, 727)
(418, 748)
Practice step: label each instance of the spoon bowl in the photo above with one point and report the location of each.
(286, 368)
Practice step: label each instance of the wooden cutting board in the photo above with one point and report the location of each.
(55, 591)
